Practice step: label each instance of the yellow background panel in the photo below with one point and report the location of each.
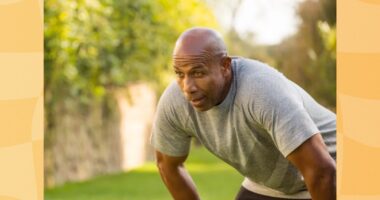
(16, 121)
(37, 121)
(358, 26)
(359, 74)
(358, 93)
(358, 176)
(360, 120)
(21, 75)
(38, 157)
(21, 25)
(21, 100)
(17, 172)
(371, 1)
(359, 197)
(2, 197)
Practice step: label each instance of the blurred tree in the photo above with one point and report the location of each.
(308, 57)
(93, 47)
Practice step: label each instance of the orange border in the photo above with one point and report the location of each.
(21, 99)
(358, 99)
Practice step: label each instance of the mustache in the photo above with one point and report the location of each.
(194, 97)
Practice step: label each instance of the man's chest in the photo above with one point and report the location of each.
(231, 137)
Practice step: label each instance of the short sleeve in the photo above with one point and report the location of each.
(168, 134)
(279, 109)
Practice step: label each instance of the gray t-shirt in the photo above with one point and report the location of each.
(263, 119)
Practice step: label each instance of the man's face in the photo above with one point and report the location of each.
(202, 81)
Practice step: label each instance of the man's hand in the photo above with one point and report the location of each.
(175, 177)
(317, 167)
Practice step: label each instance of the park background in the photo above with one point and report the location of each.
(106, 64)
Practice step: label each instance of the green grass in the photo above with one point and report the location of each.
(214, 180)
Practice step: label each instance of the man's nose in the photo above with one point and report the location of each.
(189, 85)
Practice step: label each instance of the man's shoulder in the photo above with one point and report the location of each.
(172, 93)
(172, 98)
(253, 74)
(248, 62)
(252, 69)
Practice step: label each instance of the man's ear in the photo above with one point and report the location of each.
(226, 64)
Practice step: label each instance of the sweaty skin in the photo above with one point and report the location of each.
(204, 75)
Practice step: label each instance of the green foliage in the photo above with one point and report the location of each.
(92, 46)
(322, 69)
(309, 57)
(214, 180)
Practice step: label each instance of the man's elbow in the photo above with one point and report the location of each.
(328, 176)
(324, 177)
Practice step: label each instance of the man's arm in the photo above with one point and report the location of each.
(175, 177)
(317, 167)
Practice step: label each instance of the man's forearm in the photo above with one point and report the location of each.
(179, 183)
(317, 167)
(323, 187)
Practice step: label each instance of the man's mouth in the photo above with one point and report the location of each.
(197, 101)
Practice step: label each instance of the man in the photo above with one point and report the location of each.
(250, 116)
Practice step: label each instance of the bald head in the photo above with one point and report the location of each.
(197, 41)
(202, 67)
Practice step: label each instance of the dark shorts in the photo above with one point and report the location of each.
(245, 194)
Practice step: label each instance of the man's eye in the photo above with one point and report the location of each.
(198, 74)
(179, 74)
